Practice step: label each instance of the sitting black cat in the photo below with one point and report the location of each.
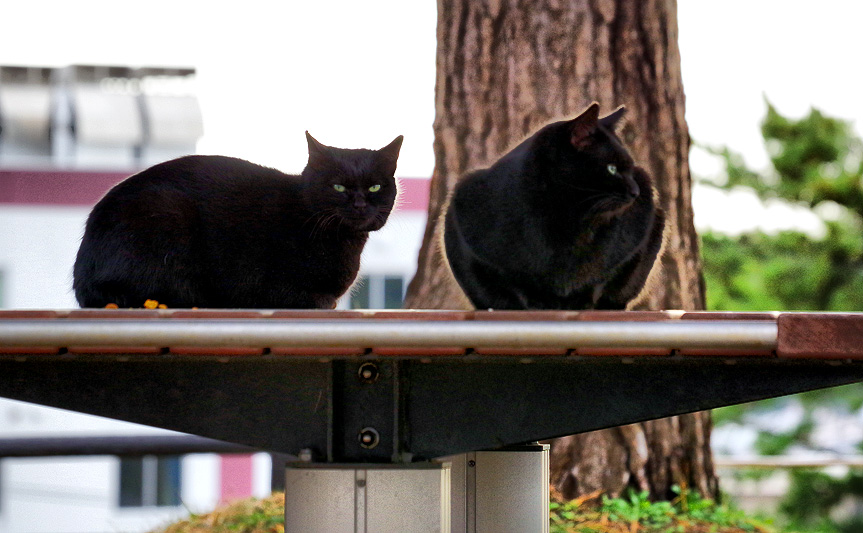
(212, 231)
(563, 221)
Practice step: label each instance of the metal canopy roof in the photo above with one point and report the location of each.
(403, 385)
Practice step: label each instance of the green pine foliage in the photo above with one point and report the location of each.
(817, 162)
(815, 159)
(789, 271)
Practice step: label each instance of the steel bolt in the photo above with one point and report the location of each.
(471, 463)
(369, 438)
(305, 455)
(368, 372)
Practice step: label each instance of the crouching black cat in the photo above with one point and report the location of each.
(212, 231)
(563, 221)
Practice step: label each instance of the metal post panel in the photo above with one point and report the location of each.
(408, 499)
(319, 500)
(458, 489)
(511, 490)
(367, 498)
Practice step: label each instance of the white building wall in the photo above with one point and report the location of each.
(38, 245)
(394, 248)
(80, 494)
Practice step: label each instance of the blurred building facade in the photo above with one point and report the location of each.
(67, 135)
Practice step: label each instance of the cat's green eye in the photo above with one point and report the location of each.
(612, 169)
(339, 188)
(374, 188)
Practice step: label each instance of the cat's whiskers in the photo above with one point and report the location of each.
(576, 187)
(382, 214)
(591, 198)
(315, 220)
(607, 206)
(328, 222)
(321, 221)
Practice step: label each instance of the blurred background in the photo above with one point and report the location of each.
(92, 91)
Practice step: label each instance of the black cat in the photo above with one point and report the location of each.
(213, 231)
(563, 221)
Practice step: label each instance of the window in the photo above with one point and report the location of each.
(359, 297)
(393, 292)
(25, 101)
(377, 292)
(150, 481)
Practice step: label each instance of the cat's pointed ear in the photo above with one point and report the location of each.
(317, 151)
(390, 153)
(611, 120)
(583, 126)
(393, 148)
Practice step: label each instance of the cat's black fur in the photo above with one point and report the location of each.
(213, 231)
(550, 226)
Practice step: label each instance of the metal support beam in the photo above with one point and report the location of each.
(419, 409)
(136, 446)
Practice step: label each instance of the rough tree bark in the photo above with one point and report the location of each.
(506, 67)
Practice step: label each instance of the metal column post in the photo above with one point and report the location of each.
(367, 498)
(501, 491)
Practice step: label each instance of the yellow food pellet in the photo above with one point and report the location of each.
(163, 306)
(112, 306)
(151, 304)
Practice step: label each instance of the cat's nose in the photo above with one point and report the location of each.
(359, 202)
(632, 188)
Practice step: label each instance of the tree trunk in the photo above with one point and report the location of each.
(505, 68)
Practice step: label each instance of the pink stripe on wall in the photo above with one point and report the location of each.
(55, 187)
(73, 188)
(236, 475)
(413, 194)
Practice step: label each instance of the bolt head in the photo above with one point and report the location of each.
(368, 372)
(369, 438)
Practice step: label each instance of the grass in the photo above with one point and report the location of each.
(244, 516)
(687, 513)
